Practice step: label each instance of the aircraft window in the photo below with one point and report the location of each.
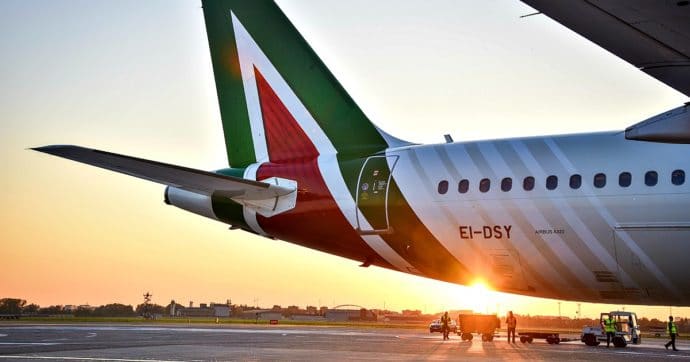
(484, 185)
(551, 182)
(463, 186)
(678, 177)
(651, 178)
(443, 187)
(506, 184)
(624, 179)
(528, 183)
(599, 180)
(575, 181)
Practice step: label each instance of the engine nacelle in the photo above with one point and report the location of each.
(190, 201)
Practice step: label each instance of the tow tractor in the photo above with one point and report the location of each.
(627, 330)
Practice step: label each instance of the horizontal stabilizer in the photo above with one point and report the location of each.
(260, 194)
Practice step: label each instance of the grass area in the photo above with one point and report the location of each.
(220, 321)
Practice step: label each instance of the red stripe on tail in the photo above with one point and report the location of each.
(316, 221)
(285, 139)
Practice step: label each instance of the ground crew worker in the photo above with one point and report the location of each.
(672, 331)
(445, 328)
(610, 328)
(511, 321)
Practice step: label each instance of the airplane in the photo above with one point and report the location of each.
(595, 217)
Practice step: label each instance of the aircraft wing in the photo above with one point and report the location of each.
(198, 181)
(653, 35)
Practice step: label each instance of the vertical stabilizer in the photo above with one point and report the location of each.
(250, 38)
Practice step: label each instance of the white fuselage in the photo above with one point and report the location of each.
(609, 242)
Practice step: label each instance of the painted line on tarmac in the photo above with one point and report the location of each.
(28, 344)
(431, 338)
(654, 354)
(207, 330)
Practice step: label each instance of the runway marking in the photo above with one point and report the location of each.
(94, 359)
(619, 352)
(208, 330)
(3, 335)
(28, 344)
(91, 335)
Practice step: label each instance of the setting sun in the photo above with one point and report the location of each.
(480, 297)
(480, 285)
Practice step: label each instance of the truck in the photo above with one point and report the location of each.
(484, 324)
(627, 330)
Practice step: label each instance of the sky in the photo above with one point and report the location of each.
(135, 78)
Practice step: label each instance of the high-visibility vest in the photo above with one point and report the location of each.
(671, 328)
(610, 325)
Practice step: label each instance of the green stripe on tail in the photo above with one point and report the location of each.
(344, 123)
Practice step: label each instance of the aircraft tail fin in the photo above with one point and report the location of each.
(268, 77)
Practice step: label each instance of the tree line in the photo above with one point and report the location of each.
(19, 307)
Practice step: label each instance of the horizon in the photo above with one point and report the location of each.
(135, 78)
(305, 307)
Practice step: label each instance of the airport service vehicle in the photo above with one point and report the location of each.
(658, 331)
(597, 217)
(550, 337)
(627, 330)
(484, 324)
(435, 326)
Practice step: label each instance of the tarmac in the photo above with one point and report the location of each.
(128, 342)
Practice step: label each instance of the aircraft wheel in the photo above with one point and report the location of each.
(523, 339)
(529, 340)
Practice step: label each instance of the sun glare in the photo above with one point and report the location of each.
(479, 297)
(480, 286)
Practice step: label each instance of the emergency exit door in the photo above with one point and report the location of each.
(372, 195)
